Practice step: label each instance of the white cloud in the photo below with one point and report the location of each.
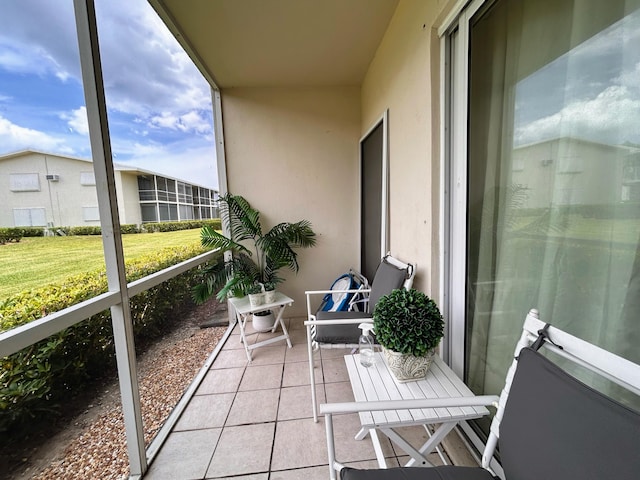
(14, 137)
(77, 120)
(611, 117)
(145, 70)
(191, 121)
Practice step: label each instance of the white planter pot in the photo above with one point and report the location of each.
(263, 323)
(256, 299)
(269, 296)
(407, 368)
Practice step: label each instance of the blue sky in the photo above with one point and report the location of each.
(159, 105)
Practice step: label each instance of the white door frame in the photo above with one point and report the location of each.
(454, 33)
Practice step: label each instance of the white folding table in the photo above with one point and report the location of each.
(244, 311)
(376, 383)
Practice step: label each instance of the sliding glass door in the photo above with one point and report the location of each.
(549, 151)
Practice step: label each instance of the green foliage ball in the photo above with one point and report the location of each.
(408, 322)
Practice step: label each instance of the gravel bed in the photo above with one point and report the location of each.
(98, 448)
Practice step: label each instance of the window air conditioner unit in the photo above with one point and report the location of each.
(53, 178)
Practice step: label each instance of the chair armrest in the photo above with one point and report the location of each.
(355, 407)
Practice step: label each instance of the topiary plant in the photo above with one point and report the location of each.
(408, 322)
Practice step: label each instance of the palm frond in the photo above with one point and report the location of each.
(297, 234)
(213, 239)
(243, 220)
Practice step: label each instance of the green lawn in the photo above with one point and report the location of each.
(37, 261)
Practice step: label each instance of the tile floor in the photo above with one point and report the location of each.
(254, 421)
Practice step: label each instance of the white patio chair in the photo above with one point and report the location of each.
(549, 425)
(340, 329)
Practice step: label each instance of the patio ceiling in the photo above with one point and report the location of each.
(278, 43)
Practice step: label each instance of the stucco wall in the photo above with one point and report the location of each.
(53, 195)
(403, 77)
(292, 152)
(128, 198)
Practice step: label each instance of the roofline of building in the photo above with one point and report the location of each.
(117, 166)
(627, 148)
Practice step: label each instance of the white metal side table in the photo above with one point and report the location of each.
(244, 311)
(376, 383)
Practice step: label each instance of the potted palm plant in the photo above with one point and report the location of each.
(409, 327)
(257, 256)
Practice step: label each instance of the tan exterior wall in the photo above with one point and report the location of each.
(293, 153)
(53, 196)
(128, 198)
(403, 78)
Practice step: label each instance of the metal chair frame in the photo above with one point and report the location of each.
(312, 322)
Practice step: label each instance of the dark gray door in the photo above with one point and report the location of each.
(371, 178)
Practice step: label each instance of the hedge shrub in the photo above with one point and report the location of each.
(35, 381)
(11, 235)
(152, 227)
(16, 233)
(32, 232)
(85, 230)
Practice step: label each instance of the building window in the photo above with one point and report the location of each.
(29, 217)
(149, 212)
(87, 178)
(90, 214)
(24, 182)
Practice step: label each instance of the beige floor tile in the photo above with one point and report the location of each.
(434, 458)
(334, 352)
(415, 435)
(184, 455)
(297, 373)
(255, 406)
(261, 377)
(334, 370)
(242, 450)
(299, 443)
(298, 353)
(230, 359)
(371, 464)
(221, 381)
(312, 473)
(269, 354)
(206, 411)
(257, 476)
(297, 323)
(348, 449)
(295, 402)
(339, 392)
(234, 342)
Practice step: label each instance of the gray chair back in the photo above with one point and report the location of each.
(388, 277)
(557, 428)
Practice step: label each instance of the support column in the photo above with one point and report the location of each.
(111, 235)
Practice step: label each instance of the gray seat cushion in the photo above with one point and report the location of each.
(426, 473)
(557, 428)
(349, 333)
